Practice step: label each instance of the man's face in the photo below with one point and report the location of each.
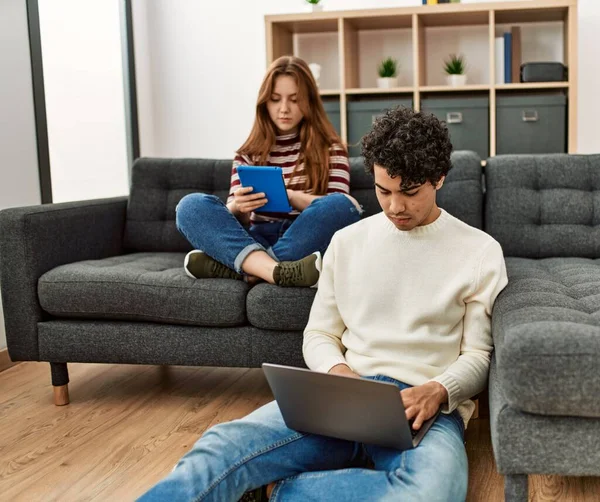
(406, 207)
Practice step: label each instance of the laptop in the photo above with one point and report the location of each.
(361, 410)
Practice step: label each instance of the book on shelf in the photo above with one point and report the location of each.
(507, 53)
(507, 58)
(499, 59)
(516, 53)
(432, 2)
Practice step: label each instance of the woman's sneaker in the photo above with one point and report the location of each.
(299, 273)
(199, 265)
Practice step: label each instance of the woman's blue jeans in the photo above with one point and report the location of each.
(209, 226)
(244, 454)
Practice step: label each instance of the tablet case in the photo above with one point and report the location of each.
(269, 180)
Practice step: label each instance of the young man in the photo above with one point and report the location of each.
(405, 296)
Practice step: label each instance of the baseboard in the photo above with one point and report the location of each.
(5, 360)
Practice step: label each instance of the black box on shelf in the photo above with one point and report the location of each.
(543, 72)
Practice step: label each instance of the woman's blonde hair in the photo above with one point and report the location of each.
(317, 134)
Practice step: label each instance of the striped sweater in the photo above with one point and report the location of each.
(285, 154)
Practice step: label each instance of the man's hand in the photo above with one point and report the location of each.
(343, 370)
(423, 401)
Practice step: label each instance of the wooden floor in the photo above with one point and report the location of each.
(127, 426)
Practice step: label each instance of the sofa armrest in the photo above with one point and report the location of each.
(36, 239)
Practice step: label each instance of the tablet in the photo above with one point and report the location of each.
(269, 180)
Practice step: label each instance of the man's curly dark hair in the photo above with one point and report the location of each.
(413, 145)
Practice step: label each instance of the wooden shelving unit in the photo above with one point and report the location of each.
(357, 37)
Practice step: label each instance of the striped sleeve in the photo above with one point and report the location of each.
(339, 170)
(234, 184)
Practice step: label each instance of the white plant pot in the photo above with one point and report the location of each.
(317, 7)
(387, 82)
(456, 80)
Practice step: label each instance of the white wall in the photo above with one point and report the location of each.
(83, 78)
(19, 179)
(200, 64)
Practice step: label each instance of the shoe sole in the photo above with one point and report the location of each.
(186, 260)
(319, 267)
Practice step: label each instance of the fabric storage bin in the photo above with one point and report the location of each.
(467, 118)
(332, 108)
(362, 112)
(531, 124)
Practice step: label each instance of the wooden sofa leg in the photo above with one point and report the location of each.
(61, 395)
(60, 382)
(516, 488)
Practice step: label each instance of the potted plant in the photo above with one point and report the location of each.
(455, 70)
(387, 74)
(315, 4)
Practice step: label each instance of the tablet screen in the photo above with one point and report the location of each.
(269, 180)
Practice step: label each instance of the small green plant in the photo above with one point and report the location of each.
(313, 2)
(455, 65)
(388, 68)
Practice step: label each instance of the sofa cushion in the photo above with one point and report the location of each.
(142, 286)
(546, 329)
(462, 192)
(276, 308)
(527, 443)
(539, 206)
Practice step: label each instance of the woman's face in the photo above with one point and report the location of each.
(283, 106)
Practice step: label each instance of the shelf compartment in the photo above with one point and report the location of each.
(472, 42)
(320, 48)
(366, 47)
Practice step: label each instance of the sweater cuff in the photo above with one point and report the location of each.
(453, 389)
(330, 362)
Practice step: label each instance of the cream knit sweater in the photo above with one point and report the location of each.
(412, 305)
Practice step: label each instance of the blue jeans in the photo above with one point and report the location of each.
(244, 454)
(208, 225)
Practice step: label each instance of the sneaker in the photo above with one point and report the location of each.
(199, 265)
(300, 273)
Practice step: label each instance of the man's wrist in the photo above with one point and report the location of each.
(440, 390)
(341, 369)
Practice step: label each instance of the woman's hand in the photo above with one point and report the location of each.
(245, 202)
(423, 401)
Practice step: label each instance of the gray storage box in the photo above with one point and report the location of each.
(468, 120)
(531, 124)
(362, 112)
(332, 108)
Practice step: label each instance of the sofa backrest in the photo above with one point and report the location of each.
(158, 185)
(540, 206)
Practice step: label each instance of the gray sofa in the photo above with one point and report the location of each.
(102, 281)
(544, 385)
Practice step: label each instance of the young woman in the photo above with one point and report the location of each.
(291, 131)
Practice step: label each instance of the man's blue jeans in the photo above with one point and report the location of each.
(209, 226)
(244, 454)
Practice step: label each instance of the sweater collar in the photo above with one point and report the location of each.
(287, 137)
(417, 232)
